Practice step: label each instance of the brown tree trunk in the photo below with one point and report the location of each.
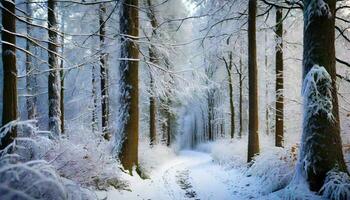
(31, 82)
(9, 108)
(104, 74)
(54, 83)
(129, 25)
(253, 137)
(279, 80)
(153, 59)
(152, 114)
(321, 149)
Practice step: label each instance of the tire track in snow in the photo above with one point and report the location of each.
(184, 183)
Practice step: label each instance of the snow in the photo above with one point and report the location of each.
(189, 174)
(336, 186)
(317, 92)
(215, 170)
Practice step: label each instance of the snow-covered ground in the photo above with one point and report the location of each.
(190, 175)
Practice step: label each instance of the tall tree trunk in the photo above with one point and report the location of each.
(230, 86)
(152, 113)
(168, 131)
(9, 109)
(279, 79)
(267, 109)
(253, 137)
(62, 74)
(321, 146)
(104, 74)
(240, 76)
(94, 123)
(54, 83)
(31, 82)
(129, 26)
(210, 119)
(153, 59)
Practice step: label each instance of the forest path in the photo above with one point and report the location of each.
(191, 175)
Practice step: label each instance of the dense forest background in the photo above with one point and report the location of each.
(95, 93)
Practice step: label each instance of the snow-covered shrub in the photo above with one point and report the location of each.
(37, 180)
(336, 186)
(30, 180)
(30, 144)
(25, 175)
(85, 158)
(274, 167)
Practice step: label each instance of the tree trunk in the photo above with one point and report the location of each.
(104, 74)
(153, 59)
(230, 86)
(279, 79)
(240, 99)
(253, 137)
(210, 119)
(129, 25)
(31, 82)
(9, 109)
(267, 110)
(152, 114)
(62, 75)
(168, 131)
(94, 123)
(321, 146)
(54, 83)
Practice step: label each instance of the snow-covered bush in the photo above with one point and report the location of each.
(275, 168)
(85, 158)
(25, 175)
(37, 180)
(30, 180)
(336, 186)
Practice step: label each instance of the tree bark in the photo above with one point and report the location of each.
(152, 114)
(210, 119)
(104, 74)
(168, 131)
(62, 75)
(9, 109)
(230, 86)
(279, 80)
(94, 123)
(153, 59)
(240, 76)
(31, 82)
(129, 25)
(321, 147)
(267, 110)
(54, 83)
(253, 137)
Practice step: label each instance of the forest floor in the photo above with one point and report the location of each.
(190, 175)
